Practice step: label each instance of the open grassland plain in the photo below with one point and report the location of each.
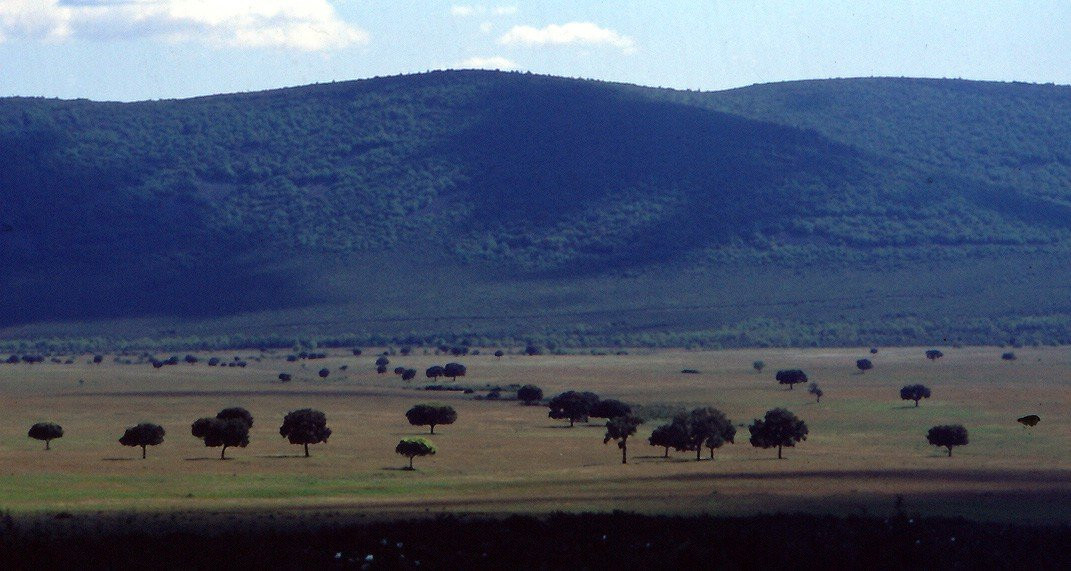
(865, 448)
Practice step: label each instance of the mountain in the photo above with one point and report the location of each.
(497, 207)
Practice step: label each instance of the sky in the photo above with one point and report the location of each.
(154, 49)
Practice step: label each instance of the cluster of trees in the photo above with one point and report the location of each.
(230, 427)
(451, 370)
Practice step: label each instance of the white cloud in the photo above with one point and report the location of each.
(493, 62)
(311, 25)
(585, 33)
(465, 10)
(486, 27)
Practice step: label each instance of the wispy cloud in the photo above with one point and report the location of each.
(585, 33)
(493, 62)
(464, 10)
(310, 25)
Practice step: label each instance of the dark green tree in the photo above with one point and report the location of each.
(144, 434)
(619, 428)
(609, 408)
(758, 366)
(412, 447)
(236, 413)
(570, 405)
(454, 370)
(948, 436)
(672, 435)
(779, 428)
(223, 432)
(791, 377)
(434, 372)
(816, 391)
(934, 354)
(915, 393)
(864, 365)
(708, 428)
(431, 415)
(47, 431)
(305, 426)
(530, 394)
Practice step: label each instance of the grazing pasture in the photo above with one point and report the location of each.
(865, 445)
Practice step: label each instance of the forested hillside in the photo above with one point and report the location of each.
(505, 206)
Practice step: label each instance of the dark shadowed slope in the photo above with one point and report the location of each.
(512, 204)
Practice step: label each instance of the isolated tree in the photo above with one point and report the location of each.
(530, 394)
(399, 370)
(873, 350)
(454, 370)
(570, 405)
(236, 413)
(305, 426)
(285, 377)
(864, 365)
(214, 361)
(779, 428)
(324, 373)
(405, 351)
(223, 432)
(619, 428)
(190, 359)
(790, 377)
(609, 408)
(758, 366)
(356, 352)
(144, 434)
(532, 350)
(408, 374)
(915, 393)
(498, 354)
(1009, 356)
(47, 431)
(413, 447)
(1029, 421)
(816, 391)
(98, 359)
(948, 435)
(381, 369)
(431, 415)
(434, 372)
(673, 435)
(382, 362)
(708, 427)
(934, 354)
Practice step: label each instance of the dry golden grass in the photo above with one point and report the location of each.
(866, 446)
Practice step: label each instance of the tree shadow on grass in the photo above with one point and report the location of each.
(203, 458)
(906, 406)
(281, 456)
(398, 468)
(119, 459)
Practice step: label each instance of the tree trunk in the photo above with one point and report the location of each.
(711, 453)
(410, 462)
(571, 422)
(223, 453)
(433, 429)
(306, 449)
(624, 452)
(48, 445)
(791, 386)
(698, 453)
(666, 455)
(778, 452)
(916, 403)
(142, 451)
(819, 399)
(949, 451)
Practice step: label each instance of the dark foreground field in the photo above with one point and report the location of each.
(616, 540)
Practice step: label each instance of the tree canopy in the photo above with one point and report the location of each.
(47, 431)
(778, 428)
(144, 434)
(948, 436)
(305, 426)
(431, 415)
(412, 447)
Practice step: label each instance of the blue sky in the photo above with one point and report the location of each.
(150, 49)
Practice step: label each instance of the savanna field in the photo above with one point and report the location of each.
(865, 447)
